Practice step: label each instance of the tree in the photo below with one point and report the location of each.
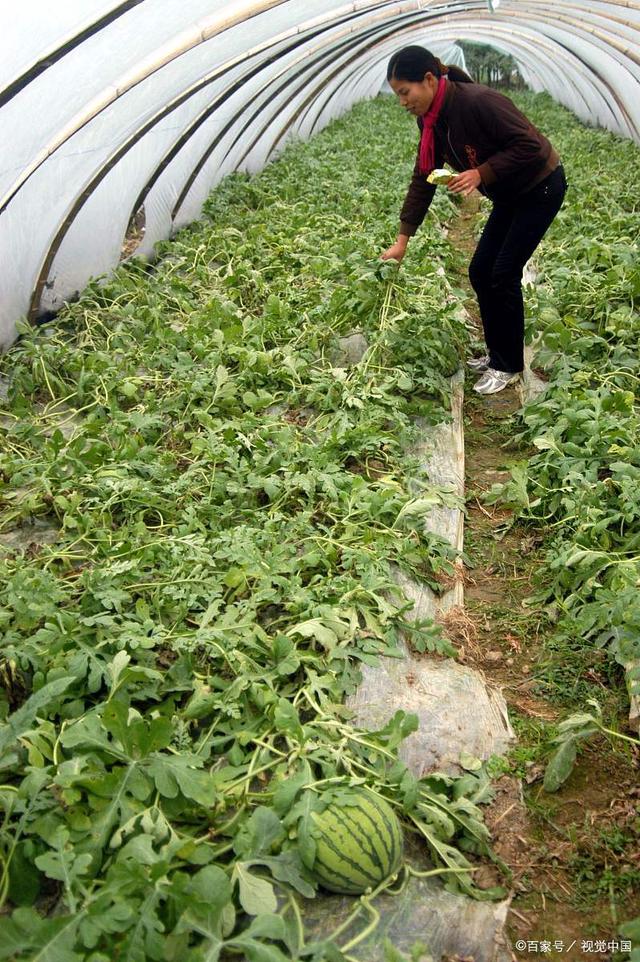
(489, 66)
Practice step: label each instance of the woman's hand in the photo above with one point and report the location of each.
(397, 251)
(465, 183)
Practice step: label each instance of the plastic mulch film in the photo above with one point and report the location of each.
(448, 925)
(458, 712)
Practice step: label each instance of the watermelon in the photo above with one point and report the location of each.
(358, 842)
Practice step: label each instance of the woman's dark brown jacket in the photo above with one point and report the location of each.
(480, 127)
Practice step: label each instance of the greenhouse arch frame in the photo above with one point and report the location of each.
(110, 106)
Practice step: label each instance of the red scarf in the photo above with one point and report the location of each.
(427, 148)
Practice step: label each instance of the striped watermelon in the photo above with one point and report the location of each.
(358, 842)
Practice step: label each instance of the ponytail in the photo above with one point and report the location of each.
(457, 74)
(412, 63)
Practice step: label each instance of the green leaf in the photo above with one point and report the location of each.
(202, 702)
(46, 940)
(104, 917)
(24, 878)
(180, 773)
(211, 885)
(417, 509)
(560, 766)
(314, 628)
(631, 930)
(306, 843)
(260, 834)
(547, 443)
(256, 894)
(137, 736)
(63, 863)
(205, 907)
(266, 927)
(284, 655)
(260, 952)
(87, 732)
(410, 789)
(399, 727)
(115, 799)
(287, 867)
(583, 556)
(287, 720)
(287, 790)
(324, 952)
(143, 940)
(577, 721)
(116, 667)
(23, 718)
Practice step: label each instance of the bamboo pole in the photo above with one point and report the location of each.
(180, 45)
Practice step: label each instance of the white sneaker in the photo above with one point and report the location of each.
(478, 363)
(493, 381)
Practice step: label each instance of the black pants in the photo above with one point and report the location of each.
(511, 235)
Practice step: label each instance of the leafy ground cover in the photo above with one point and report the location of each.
(570, 885)
(553, 544)
(200, 510)
(583, 482)
(222, 505)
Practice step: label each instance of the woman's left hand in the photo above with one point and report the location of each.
(465, 183)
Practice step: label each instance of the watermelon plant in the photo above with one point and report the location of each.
(582, 484)
(200, 514)
(571, 732)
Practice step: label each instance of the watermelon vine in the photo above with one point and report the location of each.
(583, 482)
(211, 508)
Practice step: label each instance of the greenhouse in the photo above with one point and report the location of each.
(320, 481)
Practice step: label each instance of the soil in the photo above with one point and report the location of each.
(135, 234)
(573, 855)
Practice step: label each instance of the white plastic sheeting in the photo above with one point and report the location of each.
(106, 105)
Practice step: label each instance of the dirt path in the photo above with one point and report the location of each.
(574, 855)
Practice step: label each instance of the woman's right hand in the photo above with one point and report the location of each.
(396, 252)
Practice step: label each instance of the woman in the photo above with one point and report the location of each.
(480, 133)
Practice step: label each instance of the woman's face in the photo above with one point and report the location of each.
(415, 97)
